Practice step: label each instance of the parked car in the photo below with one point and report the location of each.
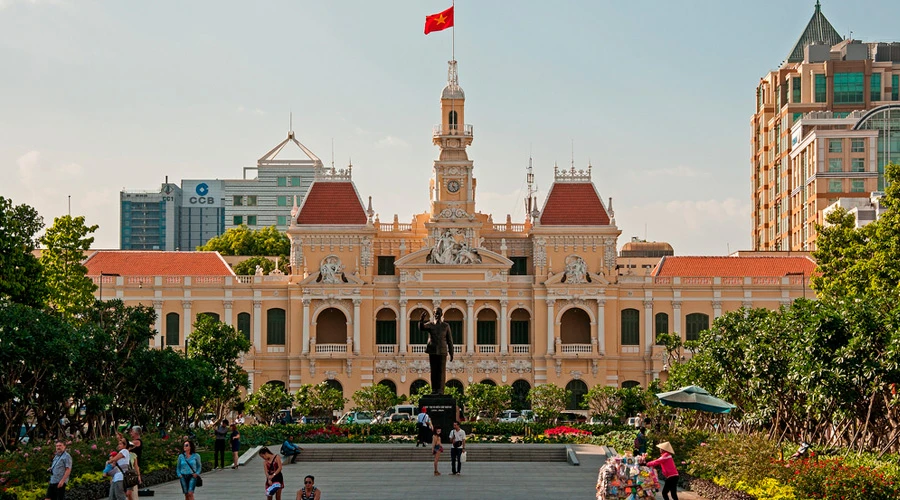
(356, 417)
(511, 416)
(410, 410)
(399, 417)
(633, 422)
(568, 417)
(527, 416)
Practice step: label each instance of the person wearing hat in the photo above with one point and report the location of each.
(667, 464)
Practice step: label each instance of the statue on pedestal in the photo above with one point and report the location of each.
(440, 344)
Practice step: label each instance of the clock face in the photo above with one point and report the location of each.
(453, 186)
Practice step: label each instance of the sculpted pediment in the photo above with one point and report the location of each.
(420, 266)
(331, 272)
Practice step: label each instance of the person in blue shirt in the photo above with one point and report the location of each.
(188, 469)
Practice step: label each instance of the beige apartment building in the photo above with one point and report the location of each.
(826, 123)
(544, 300)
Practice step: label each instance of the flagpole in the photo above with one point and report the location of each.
(453, 33)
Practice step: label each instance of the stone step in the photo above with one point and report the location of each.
(547, 453)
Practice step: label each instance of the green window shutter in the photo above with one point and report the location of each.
(487, 332)
(243, 324)
(895, 87)
(386, 332)
(456, 329)
(631, 323)
(518, 332)
(173, 327)
(662, 323)
(694, 324)
(416, 336)
(275, 326)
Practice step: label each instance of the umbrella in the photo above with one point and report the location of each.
(695, 398)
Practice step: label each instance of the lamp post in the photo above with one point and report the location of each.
(802, 275)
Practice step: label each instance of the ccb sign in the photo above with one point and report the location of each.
(204, 193)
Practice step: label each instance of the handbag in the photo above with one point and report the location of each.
(462, 457)
(199, 482)
(129, 476)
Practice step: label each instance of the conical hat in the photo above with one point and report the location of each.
(665, 446)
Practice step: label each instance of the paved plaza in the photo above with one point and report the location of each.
(396, 480)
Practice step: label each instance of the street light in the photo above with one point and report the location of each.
(802, 275)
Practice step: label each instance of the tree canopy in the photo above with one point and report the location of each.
(65, 244)
(221, 346)
(242, 240)
(21, 277)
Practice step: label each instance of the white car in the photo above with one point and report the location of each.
(511, 416)
(356, 417)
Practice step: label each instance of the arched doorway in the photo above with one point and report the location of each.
(578, 389)
(488, 381)
(386, 327)
(331, 327)
(628, 384)
(575, 327)
(390, 385)
(520, 390)
(456, 384)
(416, 385)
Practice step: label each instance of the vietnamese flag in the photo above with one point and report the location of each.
(440, 21)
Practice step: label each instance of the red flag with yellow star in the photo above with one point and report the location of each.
(439, 21)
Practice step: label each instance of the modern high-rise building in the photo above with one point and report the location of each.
(186, 217)
(826, 122)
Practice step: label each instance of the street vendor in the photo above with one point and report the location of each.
(667, 463)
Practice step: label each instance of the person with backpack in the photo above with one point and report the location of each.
(640, 443)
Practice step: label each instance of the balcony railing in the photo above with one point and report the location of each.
(389, 226)
(575, 348)
(386, 348)
(420, 348)
(464, 130)
(520, 348)
(631, 349)
(487, 349)
(328, 348)
(513, 228)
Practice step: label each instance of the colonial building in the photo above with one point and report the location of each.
(533, 302)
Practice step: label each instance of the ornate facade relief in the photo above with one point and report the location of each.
(312, 366)
(331, 374)
(488, 366)
(331, 271)
(453, 213)
(540, 252)
(365, 252)
(419, 366)
(576, 271)
(386, 366)
(609, 247)
(576, 374)
(452, 247)
(296, 261)
(520, 366)
(456, 366)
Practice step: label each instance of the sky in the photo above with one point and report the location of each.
(101, 96)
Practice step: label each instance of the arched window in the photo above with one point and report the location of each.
(457, 384)
(415, 335)
(695, 323)
(628, 384)
(390, 385)
(520, 390)
(243, 324)
(386, 327)
(662, 324)
(275, 326)
(331, 327)
(453, 119)
(454, 318)
(519, 327)
(212, 315)
(631, 327)
(416, 386)
(487, 327)
(575, 327)
(577, 390)
(173, 327)
(276, 383)
(488, 381)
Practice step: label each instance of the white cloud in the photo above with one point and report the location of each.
(392, 142)
(692, 227)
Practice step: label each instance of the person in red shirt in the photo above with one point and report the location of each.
(667, 464)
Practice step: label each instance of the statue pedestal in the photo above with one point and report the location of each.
(443, 412)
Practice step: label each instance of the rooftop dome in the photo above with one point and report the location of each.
(638, 248)
(452, 90)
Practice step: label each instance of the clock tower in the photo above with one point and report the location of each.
(452, 187)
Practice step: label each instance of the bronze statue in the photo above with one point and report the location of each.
(440, 344)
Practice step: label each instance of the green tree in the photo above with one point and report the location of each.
(605, 403)
(320, 400)
(375, 398)
(242, 240)
(248, 267)
(220, 345)
(65, 244)
(267, 401)
(488, 399)
(21, 276)
(453, 392)
(548, 401)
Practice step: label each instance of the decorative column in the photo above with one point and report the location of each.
(157, 306)
(470, 326)
(717, 308)
(257, 325)
(601, 326)
(676, 318)
(228, 315)
(306, 322)
(504, 328)
(648, 326)
(404, 324)
(550, 327)
(186, 307)
(356, 320)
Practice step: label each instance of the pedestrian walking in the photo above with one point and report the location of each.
(235, 445)
(274, 478)
(136, 447)
(667, 464)
(120, 463)
(423, 428)
(640, 443)
(60, 469)
(436, 449)
(309, 490)
(458, 443)
(221, 440)
(188, 468)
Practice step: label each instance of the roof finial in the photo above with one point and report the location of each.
(818, 6)
(291, 125)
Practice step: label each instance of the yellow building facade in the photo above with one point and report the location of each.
(545, 300)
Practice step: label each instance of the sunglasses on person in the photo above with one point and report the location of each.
(307, 482)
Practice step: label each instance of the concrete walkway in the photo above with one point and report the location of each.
(368, 480)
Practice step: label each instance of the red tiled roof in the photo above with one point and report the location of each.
(734, 266)
(573, 204)
(331, 203)
(140, 263)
